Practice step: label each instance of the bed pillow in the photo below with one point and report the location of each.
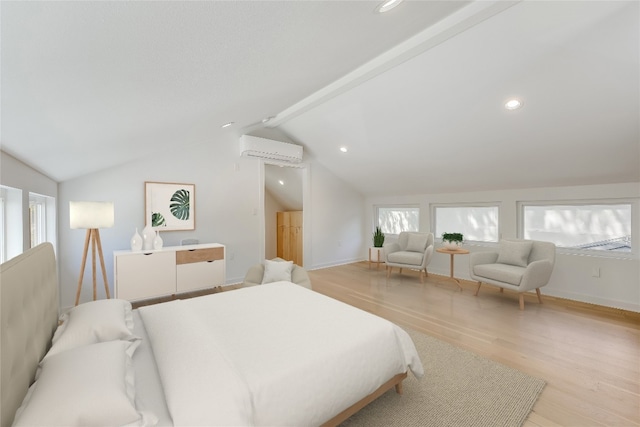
(91, 385)
(416, 242)
(93, 322)
(514, 253)
(276, 271)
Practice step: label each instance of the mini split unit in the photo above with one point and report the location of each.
(262, 148)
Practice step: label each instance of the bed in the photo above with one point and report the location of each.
(276, 354)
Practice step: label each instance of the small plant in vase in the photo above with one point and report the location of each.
(378, 238)
(452, 240)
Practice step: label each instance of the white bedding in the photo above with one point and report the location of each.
(275, 354)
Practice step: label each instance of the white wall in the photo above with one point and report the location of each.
(16, 174)
(619, 282)
(227, 207)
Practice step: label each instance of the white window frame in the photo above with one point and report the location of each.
(3, 225)
(45, 219)
(521, 205)
(376, 215)
(438, 234)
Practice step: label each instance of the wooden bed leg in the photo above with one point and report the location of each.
(399, 388)
(521, 301)
(539, 295)
(477, 290)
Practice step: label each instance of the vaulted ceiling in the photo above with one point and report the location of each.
(416, 94)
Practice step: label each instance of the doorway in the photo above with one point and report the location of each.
(285, 194)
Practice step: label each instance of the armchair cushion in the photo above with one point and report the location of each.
(514, 253)
(406, 257)
(275, 271)
(417, 243)
(501, 272)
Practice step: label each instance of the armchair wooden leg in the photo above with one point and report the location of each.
(478, 289)
(421, 276)
(399, 270)
(539, 295)
(502, 290)
(521, 301)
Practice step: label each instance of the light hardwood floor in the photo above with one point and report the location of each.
(588, 355)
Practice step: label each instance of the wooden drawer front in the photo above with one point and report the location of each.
(199, 255)
(194, 276)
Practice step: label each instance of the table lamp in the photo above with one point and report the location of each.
(91, 216)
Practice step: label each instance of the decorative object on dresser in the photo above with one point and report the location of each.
(91, 216)
(452, 240)
(147, 237)
(136, 241)
(170, 206)
(157, 241)
(168, 271)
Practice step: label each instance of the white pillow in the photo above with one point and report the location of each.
(276, 271)
(416, 243)
(514, 253)
(87, 386)
(93, 322)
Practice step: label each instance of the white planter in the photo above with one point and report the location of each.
(451, 245)
(376, 254)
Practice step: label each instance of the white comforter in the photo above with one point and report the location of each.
(274, 354)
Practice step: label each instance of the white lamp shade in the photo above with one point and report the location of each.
(91, 214)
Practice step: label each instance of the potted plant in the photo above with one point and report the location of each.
(378, 238)
(375, 252)
(452, 240)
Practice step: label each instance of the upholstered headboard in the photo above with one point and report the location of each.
(29, 317)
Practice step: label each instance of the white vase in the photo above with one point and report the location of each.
(157, 241)
(136, 241)
(148, 234)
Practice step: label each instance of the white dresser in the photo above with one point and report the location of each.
(167, 271)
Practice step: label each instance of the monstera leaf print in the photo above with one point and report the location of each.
(157, 219)
(180, 204)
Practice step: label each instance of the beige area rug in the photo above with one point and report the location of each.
(459, 389)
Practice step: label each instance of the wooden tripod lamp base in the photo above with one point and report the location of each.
(92, 216)
(93, 236)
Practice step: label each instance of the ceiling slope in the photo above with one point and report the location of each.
(91, 85)
(436, 122)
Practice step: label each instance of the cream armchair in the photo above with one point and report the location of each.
(519, 265)
(412, 250)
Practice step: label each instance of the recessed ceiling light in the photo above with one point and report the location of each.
(281, 182)
(226, 125)
(513, 104)
(387, 5)
(344, 149)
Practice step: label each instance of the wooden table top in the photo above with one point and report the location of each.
(452, 251)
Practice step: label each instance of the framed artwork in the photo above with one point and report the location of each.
(170, 206)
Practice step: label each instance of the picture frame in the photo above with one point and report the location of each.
(170, 206)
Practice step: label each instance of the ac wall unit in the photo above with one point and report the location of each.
(253, 146)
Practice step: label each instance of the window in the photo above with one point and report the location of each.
(37, 219)
(3, 225)
(587, 226)
(11, 235)
(477, 223)
(42, 219)
(395, 219)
